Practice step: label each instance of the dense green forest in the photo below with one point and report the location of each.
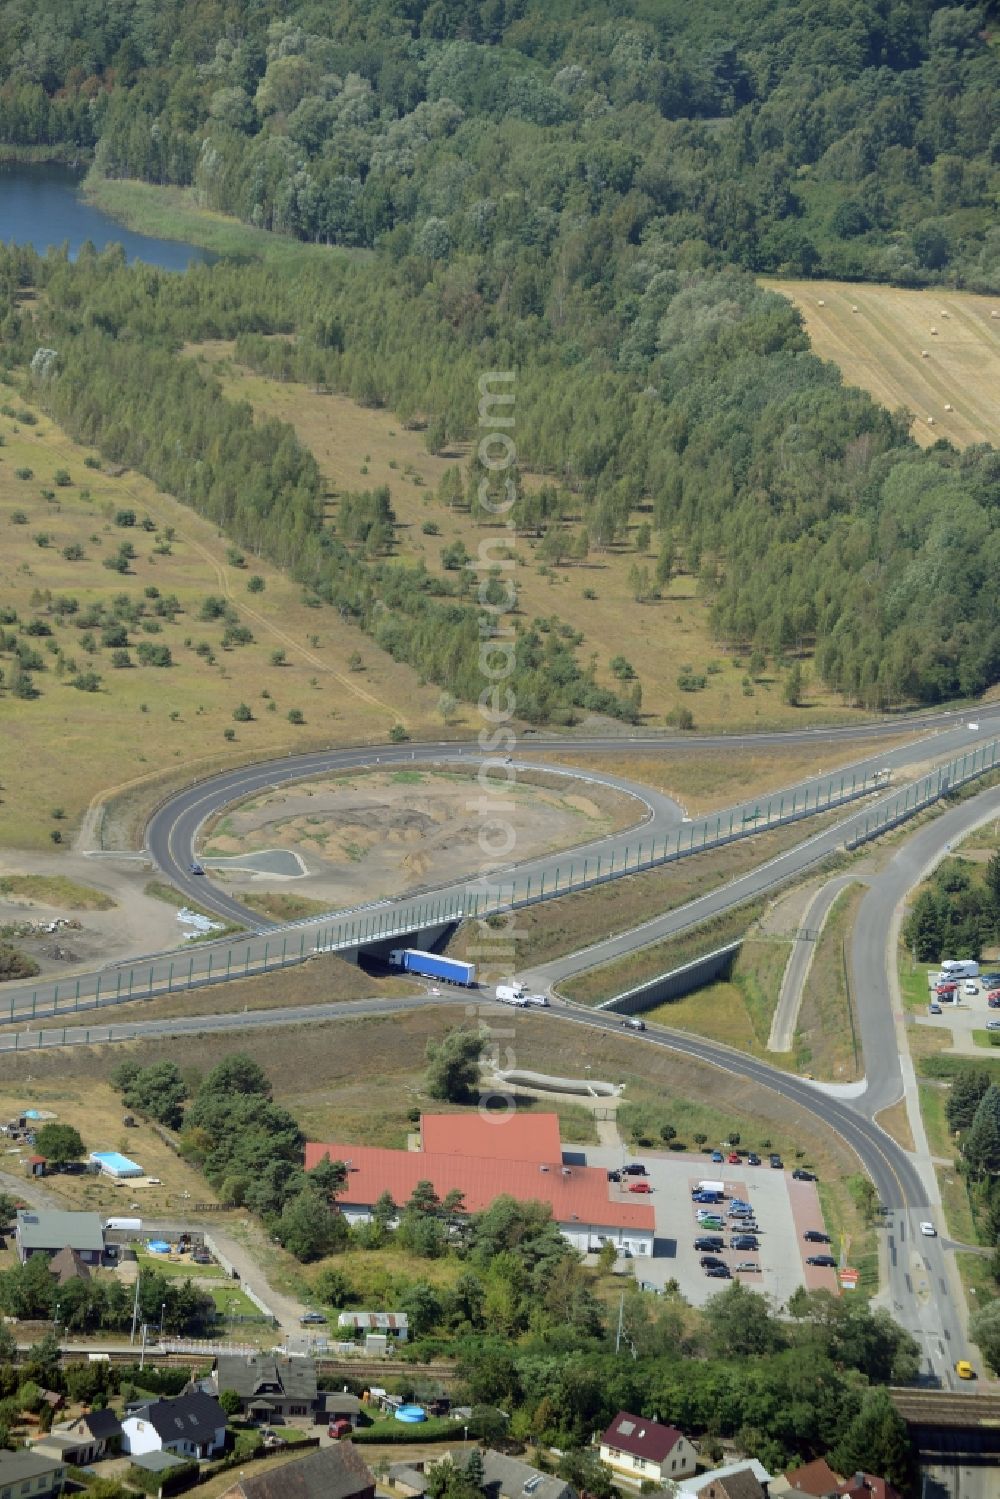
(579, 193)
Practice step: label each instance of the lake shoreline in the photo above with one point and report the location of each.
(171, 213)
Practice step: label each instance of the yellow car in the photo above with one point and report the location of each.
(964, 1369)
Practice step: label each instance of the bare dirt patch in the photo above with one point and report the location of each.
(376, 834)
(878, 335)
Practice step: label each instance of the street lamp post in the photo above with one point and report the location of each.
(163, 1308)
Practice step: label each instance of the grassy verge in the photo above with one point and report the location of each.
(845, 1223)
(283, 907)
(56, 890)
(956, 1205)
(896, 1122)
(826, 1036)
(160, 890)
(933, 1099)
(602, 983)
(737, 1010)
(987, 1039)
(913, 981)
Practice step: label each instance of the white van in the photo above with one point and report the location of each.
(512, 994)
(960, 968)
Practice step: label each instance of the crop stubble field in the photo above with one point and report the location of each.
(880, 347)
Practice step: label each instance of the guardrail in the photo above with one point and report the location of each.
(924, 793)
(283, 947)
(252, 956)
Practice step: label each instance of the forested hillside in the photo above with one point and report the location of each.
(580, 193)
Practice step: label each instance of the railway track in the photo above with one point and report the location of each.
(363, 1370)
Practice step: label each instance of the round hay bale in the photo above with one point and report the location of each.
(934, 332)
(948, 406)
(925, 353)
(930, 421)
(854, 309)
(821, 303)
(994, 313)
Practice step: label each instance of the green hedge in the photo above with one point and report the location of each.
(171, 1482)
(435, 1429)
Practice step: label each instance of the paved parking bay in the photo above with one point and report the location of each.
(784, 1210)
(966, 1013)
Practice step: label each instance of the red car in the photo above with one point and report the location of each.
(733, 1158)
(946, 989)
(639, 1187)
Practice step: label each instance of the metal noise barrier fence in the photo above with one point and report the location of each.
(252, 956)
(926, 792)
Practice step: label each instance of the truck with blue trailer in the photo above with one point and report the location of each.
(432, 965)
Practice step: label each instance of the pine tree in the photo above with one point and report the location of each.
(981, 1146)
(965, 1097)
(876, 1441)
(923, 929)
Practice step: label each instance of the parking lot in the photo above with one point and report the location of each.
(966, 1010)
(784, 1210)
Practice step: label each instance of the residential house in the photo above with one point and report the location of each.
(408, 1479)
(30, 1472)
(99, 1432)
(818, 1480)
(642, 1449)
(509, 1478)
(270, 1388)
(748, 1479)
(48, 1230)
(337, 1472)
(340, 1406)
(192, 1425)
(393, 1324)
(68, 1264)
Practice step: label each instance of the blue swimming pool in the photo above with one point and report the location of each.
(411, 1414)
(116, 1164)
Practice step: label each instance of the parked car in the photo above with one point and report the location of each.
(753, 1159)
(706, 1196)
(935, 1009)
(710, 1259)
(710, 1242)
(816, 1236)
(822, 1259)
(744, 1241)
(733, 1158)
(749, 1267)
(635, 1168)
(946, 991)
(614, 1176)
(993, 1000)
(640, 1187)
(312, 1319)
(718, 1272)
(993, 1025)
(800, 1175)
(971, 988)
(717, 1156)
(776, 1163)
(713, 1218)
(714, 1225)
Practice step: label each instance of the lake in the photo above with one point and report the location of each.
(42, 206)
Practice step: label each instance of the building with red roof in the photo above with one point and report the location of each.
(484, 1160)
(645, 1449)
(818, 1480)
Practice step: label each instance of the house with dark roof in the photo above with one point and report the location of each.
(866, 1486)
(30, 1472)
(508, 1478)
(738, 1481)
(98, 1432)
(641, 1449)
(337, 1472)
(270, 1388)
(48, 1230)
(192, 1425)
(68, 1264)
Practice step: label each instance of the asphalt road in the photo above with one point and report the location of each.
(786, 1013)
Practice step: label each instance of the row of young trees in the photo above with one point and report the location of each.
(700, 402)
(957, 913)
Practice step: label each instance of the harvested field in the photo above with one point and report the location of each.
(881, 347)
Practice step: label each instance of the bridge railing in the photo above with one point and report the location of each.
(250, 956)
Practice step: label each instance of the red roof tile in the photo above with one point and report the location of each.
(640, 1437)
(574, 1193)
(816, 1478)
(494, 1136)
